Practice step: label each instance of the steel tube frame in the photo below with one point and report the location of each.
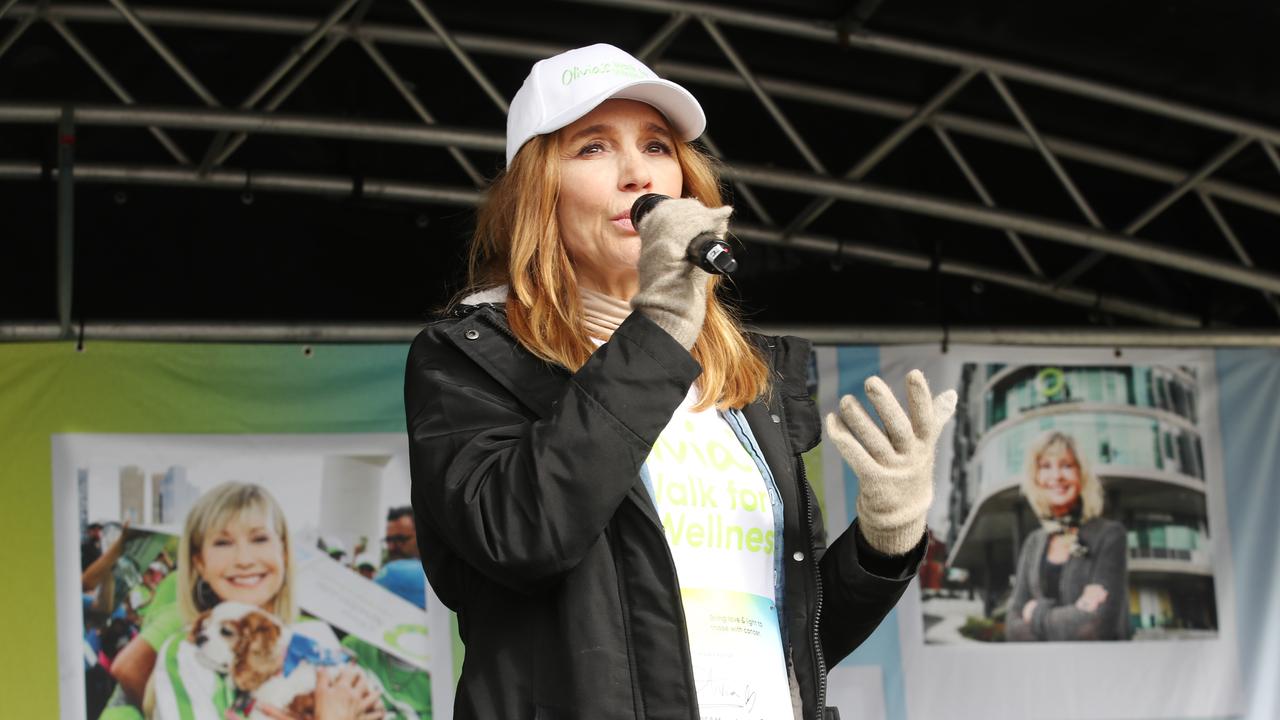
(769, 105)
(828, 33)
(225, 179)
(280, 96)
(1001, 219)
(1099, 241)
(476, 177)
(821, 32)
(239, 180)
(460, 55)
(975, 127)
(657, 44)
(258, 122)
(985, 196)
(882, 255)
(887, 145)
(18, 29)
(214, 154)
(1151, 213)
(398, 333)
(764, 177)
(782, 180)
(1050, 159)
(166, 54)
(66, 217)
(1234, 242)
(114, 85)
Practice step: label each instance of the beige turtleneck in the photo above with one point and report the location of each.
(603, 313)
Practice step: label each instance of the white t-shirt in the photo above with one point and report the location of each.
(718, 514)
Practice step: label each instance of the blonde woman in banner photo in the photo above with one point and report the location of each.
(235, 559)
(606, 467)
(1071, 581)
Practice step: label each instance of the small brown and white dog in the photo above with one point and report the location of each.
(263, 657)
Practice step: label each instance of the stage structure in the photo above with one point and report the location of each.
(198, 135)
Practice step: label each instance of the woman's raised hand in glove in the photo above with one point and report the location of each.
(894, 465)
(673, 291)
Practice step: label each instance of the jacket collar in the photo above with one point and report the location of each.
(483, 335)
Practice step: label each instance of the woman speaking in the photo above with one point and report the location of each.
(606, 468)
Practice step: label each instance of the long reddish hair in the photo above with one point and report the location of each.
(517, 243)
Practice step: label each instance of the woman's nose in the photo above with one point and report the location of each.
(633, 173)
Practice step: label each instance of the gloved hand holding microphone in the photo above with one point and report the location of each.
(673, 290)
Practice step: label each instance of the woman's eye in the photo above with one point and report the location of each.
(658, 147)
(591, 148)
(221, 542)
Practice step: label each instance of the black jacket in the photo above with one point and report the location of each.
(535, 527)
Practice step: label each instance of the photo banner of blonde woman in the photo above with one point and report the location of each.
(1079, 562)
(290, 461)
(297, 526)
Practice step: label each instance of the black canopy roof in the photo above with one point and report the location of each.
(991, 163)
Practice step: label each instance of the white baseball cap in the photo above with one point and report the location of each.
(563, 88)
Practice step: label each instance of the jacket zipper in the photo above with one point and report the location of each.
(820, 662)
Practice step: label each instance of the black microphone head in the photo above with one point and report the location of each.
(643, 205)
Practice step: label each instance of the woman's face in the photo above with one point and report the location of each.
(1058, 477)
(243, 560)
(609, 157)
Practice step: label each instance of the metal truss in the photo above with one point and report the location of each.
(315, 38)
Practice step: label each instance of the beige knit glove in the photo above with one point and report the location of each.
(894, 465)
(673, 291)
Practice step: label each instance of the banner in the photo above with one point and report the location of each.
(1153, 598)
(335, 493)
(1134, 608)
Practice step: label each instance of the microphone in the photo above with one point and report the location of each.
(706, 251)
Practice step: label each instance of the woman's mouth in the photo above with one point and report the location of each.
(622, 221)
(246, 581)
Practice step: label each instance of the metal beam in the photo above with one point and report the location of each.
(18, 29)
(765, 177)
(827, 32)
(985, 196)
(887, 145)
(257, 122)
(1234, 242)
(460, 55)
(769, 105)
(166, 54)
(1190, 182)
(66, 217)
(1062, 232)
(216, 148)
(6, 7)
(238, 180)
(125, 97)
(337, 186)
(882, 255)
(777, 87)
(656, 45)
(404, 332)
(1050, 159)
(419, 109)
(281, 95)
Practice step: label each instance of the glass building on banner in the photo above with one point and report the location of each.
(1138, 430)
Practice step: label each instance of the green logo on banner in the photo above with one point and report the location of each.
(1051, 381)
(395, 638)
